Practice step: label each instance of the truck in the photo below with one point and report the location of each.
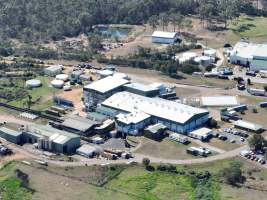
(256, 92)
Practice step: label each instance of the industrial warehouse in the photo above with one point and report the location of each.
(138, 111)
(98, 91)
(45, 137)
(250, 55)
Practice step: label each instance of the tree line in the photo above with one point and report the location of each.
(34, 20)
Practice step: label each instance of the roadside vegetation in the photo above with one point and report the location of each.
(146, 181)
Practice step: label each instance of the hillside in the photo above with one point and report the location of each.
(35, 20)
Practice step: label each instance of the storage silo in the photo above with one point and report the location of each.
(57, 83)
(63, 77)
(33, 83)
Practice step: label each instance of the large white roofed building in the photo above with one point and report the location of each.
(164, 37)
(177, 117)
(98, 91)
(250, 54)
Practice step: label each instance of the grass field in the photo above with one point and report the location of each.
(126, 183)
(164, 149)
(42, 96)
(253, 28)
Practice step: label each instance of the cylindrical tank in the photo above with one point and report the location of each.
(67, 88)
(33, 83)
(57, 83)
(205, 61)
(63, 77)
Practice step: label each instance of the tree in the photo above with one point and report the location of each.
(146, 162)
(153, 21)
(164, 20)
(257, 142)
(265, 88)
(233, 173)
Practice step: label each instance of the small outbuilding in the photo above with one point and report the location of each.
(105, 73)
(89, 150)
(155, 132)
(53, 70)
(202, 134)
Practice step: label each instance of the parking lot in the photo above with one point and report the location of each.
(253, 156)
(232, 135)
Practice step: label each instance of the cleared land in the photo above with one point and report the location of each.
(146, 76)
(164, 149)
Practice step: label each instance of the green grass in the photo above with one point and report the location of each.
(10, 189)
(161, 185)
(42, 96)
(253, 28)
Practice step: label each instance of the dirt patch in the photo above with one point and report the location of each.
(75, 96)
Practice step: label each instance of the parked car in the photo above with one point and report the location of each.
(251, 73)
(241, 87)
(222, 137)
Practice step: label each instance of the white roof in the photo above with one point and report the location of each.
(134, 117)
(173, 111)
(54, 67)
(121, 75)
(249, 50)
(157, 85)
(107, 84)
(204, 132)
(164, 34)
(105, 72)
(248, 125)
(210, 52)
(141, 87)
(87, 149)
(61, 139)
(219, 101)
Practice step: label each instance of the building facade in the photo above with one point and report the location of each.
(176, 117)
(100, 90)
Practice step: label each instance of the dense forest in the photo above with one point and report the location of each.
(34, 20)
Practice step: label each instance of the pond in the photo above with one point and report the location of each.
(114, 32)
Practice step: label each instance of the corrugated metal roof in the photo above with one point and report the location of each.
(78, 123)
(164, 34)
(10, 131)
(141, 87)
(106, 84)
(158, 107)
(219, 101)
(134, 117)
(248, 125)
(201, 132)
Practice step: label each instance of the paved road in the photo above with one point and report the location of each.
(137, 158)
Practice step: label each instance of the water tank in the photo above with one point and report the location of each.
(33, 83)
(67, 88)
(57, 83)
(63, 77)
(205, 61)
